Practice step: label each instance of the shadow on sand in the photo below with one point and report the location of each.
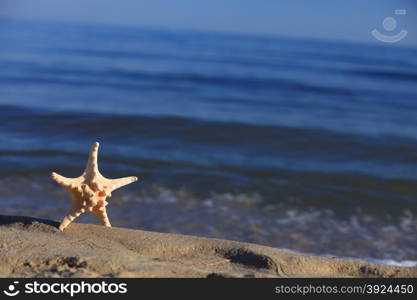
(7, 220)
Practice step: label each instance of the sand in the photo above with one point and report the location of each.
(32, 247)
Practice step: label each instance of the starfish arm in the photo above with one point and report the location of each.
(92, 165)
(74, 213)
(101, 214)
(65, 181)
(114, 184)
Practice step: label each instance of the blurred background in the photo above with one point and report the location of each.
(284, 123)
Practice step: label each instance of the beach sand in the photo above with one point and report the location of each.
(32, 247)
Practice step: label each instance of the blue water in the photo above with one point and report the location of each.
(302, 144)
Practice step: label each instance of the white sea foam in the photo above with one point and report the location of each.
(391, 262)
(403, 263)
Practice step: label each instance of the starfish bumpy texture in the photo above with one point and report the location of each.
(90, 190)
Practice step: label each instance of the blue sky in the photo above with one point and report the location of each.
(324, 19)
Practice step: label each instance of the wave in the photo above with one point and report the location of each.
(344, 193)
(109, 78)
(263, 140)
(389, 74)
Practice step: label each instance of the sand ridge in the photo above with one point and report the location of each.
(31, 247)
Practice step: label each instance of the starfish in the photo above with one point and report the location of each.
(90, 190)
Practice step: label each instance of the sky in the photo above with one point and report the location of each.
(351, 20)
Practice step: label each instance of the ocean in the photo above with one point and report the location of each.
(308, 145)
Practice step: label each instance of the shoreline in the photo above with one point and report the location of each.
(31, 247)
